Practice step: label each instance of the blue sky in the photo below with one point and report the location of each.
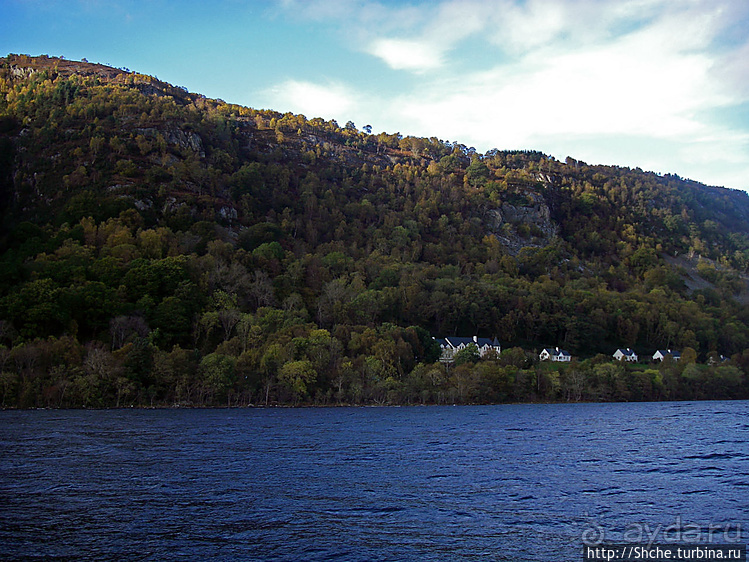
(658, 84)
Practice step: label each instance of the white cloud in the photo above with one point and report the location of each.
(450, 22)
(623, 88)
(313, 100)
(403, 54)
(518, 28)
(733, 71)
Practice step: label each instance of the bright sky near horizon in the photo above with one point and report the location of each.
(658, 84)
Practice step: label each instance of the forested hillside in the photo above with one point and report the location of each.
(162, 248)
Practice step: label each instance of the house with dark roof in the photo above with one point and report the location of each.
(661, 354)
(625, 355)
(554, 354)
(453, 344)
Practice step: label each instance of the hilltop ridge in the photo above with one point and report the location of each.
(263, 255)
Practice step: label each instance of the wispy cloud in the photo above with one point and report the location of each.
(403, 54)
(313, 100)
(424, 49)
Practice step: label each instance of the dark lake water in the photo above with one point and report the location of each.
(512, 482)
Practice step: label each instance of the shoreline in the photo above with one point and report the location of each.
(334, 406)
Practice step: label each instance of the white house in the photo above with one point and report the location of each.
(660, 355)
(451, 345)
(554, 354)
(625, 355)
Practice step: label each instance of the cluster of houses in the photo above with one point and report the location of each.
(621, 354)
(560, 355)
(659, 355)
(452, 345)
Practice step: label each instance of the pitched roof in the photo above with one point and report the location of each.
(481, 342)
(456, 341)
(556, 351)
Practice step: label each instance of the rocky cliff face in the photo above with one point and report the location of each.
(526, 223)
(186, 140)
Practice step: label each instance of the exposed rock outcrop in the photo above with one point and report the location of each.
(518, 226)
(186, 140)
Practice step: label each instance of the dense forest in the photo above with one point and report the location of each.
(160, 248)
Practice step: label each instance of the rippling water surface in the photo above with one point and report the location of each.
(514, 482)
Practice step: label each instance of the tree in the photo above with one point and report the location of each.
(218, 373)
(172, 318)
(688, 355)
(477, 173)
(611, 382)
(469, 354)
(727, 382)
(123, 328)
(37, 309)
(296, 376)
(139, 363)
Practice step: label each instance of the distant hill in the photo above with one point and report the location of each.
(161, 247)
